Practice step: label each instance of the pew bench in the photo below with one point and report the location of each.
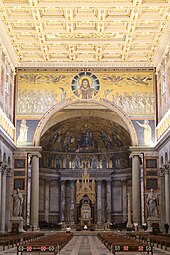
(117, 243)
(47, 244)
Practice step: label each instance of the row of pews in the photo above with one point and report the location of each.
(49, 243)
(161, 240)
(9, 239)
(118, 243)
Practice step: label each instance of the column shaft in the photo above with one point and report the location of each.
(3, 201)
(0, 192)
(35, 192)
(124, 201)
(109, 201)
(162, 198)
(8, 198)
(47, 200)
(136, 190)
(72, 201)
(62, 208)
(167, 195)
(99, 202)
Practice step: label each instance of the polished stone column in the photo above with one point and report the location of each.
(109, 201)
(167, 193)
(62, 206)
(35, 191)
(72, 201)
(99, 202)
(1, 166)
(124, 190)
(162, 197)
(3, 201)
(136, 189)
(129, 223)
(47, 199)
(8, 197)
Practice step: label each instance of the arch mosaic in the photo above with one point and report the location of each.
(102, 102)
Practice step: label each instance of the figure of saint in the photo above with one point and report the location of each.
(152, 203)
(94, 163)
(77, 162)
(147, 132)
(22, 138)
(85, 90)
(18, 202)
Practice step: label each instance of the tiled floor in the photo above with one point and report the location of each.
(86, 245)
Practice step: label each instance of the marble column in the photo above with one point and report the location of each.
(167, 193)
(62, 204)
(99, 202)
(35, 191)
(129, 223)
(3, 199)
(162, 197)
(136, 190)
(124, 191)
(109, 201)
(47, 199)
(1, 166)
(8, 197)
(72, 201)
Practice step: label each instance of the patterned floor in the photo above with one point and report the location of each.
(86, 245)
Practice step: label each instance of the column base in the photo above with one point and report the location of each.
(35, 228)
(16, 224)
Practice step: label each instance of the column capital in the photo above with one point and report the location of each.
(35, 154)
(135, 154)
(9, 171)
(162, 171)
(4, 169)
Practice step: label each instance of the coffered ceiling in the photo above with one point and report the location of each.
(81, 33)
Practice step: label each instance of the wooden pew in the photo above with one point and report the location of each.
(118, 243)
(49, 243)
(14, 239)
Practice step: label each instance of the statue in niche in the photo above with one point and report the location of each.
(18, 202)
(152, 203)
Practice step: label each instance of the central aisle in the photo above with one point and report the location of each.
(85, 245)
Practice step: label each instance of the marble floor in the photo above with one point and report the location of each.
(87, 245)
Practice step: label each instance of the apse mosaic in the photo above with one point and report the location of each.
(85, 135)
(132, 91)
